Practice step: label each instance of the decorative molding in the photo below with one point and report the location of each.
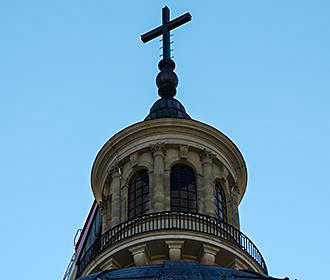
(133, 160)
(158, 149)
(234, 193)
(237, 264)
(224, 171)
(170, 235)
(234, 189)
(115, 171)
(104, 203)
(103, 206)
(174, 249)
(207, 157)
(184, 151)
(139, 136)
(208, 254)
(140, 254)
(110, 264)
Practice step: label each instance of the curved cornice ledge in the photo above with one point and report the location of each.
(171, 131)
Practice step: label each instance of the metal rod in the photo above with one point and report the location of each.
(166, 33)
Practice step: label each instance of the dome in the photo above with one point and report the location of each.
(177, 271)
(167, 108)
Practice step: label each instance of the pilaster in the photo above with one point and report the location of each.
(124, 203)
(115, 173)
(234, 200)
(200, 193)
(207, 159)
(158, 153)
(105, 207)
(167, 190)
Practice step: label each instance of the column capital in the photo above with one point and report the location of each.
(115, 171)
(105, 199)
(234, 193)
(158, 149)
(207, 157)
(103, 206)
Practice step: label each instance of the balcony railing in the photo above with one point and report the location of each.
(173, 221)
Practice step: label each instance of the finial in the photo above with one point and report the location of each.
(166, 80)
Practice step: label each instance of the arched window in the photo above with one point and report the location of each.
(138, 194)
(220, 202)
(183, 189)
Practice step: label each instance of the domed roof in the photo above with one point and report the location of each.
(167, 108)
(176, 271)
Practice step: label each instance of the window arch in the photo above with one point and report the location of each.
(183, 189)
(138, 194)
(220, 202)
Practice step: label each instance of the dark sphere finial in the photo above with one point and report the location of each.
(167, 80)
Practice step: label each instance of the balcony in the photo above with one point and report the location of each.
(174, 222)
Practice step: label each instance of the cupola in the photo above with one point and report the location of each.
(167, 193)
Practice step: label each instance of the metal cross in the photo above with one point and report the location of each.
(165, 29)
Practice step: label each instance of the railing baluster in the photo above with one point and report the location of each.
(167, 221)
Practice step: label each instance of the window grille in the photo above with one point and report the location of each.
(183, 189)
(138, 194)
(220, 202)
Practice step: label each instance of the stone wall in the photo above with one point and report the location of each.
(156, 146)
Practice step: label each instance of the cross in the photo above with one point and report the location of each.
(165, 29)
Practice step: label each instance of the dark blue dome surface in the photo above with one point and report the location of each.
(176, 271)
(167, 108)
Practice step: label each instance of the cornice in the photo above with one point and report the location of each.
(191, 130)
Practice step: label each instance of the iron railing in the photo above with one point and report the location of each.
(173, 221)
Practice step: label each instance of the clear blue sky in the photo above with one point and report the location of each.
(72, 73)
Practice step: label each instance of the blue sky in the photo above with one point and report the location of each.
(72, 73)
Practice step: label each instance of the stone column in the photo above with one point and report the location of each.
(208, 184)
(234, 200)
(151, 190)
(124, 203)
(105, 205)
(200, 193)
(174, 249)
(115, 190)
(208, 254)
(139, 254)
(167, 191)
(158, 153)
(104, 213)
